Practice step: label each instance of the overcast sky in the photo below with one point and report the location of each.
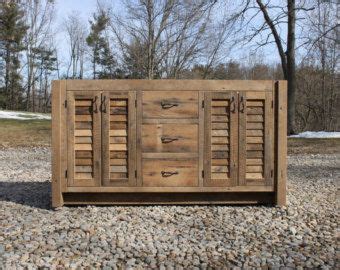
(84, 7)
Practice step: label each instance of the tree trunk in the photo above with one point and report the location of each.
(291, 74)
(8, 64)
(150, 40)
(287, 59)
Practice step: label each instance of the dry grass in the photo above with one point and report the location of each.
(25, 132)
(38, 133)
(313, 146)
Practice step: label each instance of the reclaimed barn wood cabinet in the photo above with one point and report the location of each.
(168, 141)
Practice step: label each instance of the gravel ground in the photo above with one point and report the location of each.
(301, 235)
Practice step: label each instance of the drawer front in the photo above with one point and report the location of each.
(171, 138)
(170, 173)
(170, 104)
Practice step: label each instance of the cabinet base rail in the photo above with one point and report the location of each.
(168, 198)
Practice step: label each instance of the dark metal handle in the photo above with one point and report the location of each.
(232, 104)
(95, 106)
(103, 104)
(168, 174)
(168, 139)
(242, 104)
(168, 105)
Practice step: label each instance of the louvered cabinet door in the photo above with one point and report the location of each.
(220, 155)
(118, 138)
(255, 138)
(84, 136)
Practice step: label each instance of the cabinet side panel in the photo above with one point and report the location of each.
(57, 199)
(281, 141)
(63, 135)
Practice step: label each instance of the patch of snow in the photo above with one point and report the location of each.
(317, 134)
(23, 115)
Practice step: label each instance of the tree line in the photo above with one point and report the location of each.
(157, 39)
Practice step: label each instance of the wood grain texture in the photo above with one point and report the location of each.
(83, 144)
(221, 139)
(256, 138)
(170, 173)
(173, 138)
(239, 152)
(119, 139)
(170, 85)
(57, 199)
(169, 104)
(281, 141)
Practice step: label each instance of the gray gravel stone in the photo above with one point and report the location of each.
(300, 235)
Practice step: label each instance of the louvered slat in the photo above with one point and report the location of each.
(220, 138)
(83, 139)
(118, 138)
(255, 140)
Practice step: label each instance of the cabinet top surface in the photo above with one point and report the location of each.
(168, 85)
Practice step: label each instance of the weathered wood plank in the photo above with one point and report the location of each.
(118, 161)
(118, 147)
(83, 146)
(220, 140)
(84, 169)
(251, 169)
(281, 141)
(83, 132)
(215, 169)
(220, 147)
(254, 140)
(119, 169)
(87, 140)
(120, 140)
(170, 104)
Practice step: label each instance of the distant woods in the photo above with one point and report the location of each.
(158, 39)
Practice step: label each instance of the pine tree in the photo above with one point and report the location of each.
(103, 61)
(12, 31)
(46, 64)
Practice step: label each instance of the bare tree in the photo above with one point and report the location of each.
(319, 93)
(166, 37)
(276, 15)
(76, 32)
(39, 17)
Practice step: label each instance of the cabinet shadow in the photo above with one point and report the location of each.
(33, 194)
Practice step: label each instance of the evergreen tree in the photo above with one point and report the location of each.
(46, 64)
(103, 61)
(12, 31)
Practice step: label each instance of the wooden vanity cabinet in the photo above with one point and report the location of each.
(168, 142)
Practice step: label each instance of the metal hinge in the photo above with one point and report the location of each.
(202, 103)
(202, 174)
(66, 174)
(65, 103)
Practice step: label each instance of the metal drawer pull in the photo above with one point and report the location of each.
(103, 105)
(95, 106)
(242, 105)
(232, 105)
(168, 139)
(168, 174)
(168, 105)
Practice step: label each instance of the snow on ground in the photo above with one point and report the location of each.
(317, 134)
(23, 115)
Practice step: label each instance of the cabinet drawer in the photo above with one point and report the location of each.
(171, 138)
(170, 104)
(170, 173)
